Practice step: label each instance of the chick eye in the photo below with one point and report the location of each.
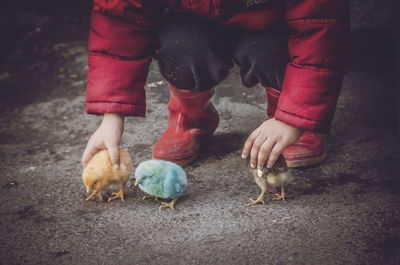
(94, 183)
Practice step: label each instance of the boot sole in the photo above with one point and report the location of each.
(306, 162)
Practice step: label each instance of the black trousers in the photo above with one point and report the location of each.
(197, 54)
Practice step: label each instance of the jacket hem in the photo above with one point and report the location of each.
(127, 109)
(301, 122)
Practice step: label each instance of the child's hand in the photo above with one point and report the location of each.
(107, 136)
(268, 142)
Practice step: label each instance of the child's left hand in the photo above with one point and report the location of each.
(268, 142)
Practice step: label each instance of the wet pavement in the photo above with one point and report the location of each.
(344, 211)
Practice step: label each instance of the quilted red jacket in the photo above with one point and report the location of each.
(122, 31)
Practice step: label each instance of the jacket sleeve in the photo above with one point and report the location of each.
(119, 56)
(317, 48)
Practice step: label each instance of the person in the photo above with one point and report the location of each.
(296, 49)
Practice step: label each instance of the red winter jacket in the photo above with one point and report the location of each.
(122, 31)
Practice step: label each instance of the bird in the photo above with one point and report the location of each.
(275, 176)
(98, 174)
(161, 179)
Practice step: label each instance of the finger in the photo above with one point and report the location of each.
(113, 150)
(89, 152)
(255, 149)
(263, 154)
(274, 154)
(249, 143)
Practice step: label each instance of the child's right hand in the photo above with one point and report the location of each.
(107, 136)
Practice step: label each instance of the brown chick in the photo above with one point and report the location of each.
(275, 176)
(99, 174)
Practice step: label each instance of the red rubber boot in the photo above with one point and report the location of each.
(191, 117)
(309, 150)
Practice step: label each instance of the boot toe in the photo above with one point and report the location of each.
(308, 150)
(180, 150)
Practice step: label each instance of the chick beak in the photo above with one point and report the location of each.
(137, 182)
(87, 189)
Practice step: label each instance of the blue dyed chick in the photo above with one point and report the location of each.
(161, 179)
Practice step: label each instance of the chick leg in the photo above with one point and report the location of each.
(168, 205)
(260, 198)
(119, 194)
(150, 197)
(281, 196)
(92, 195)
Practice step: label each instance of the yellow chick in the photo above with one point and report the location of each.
(275, 176)
(99, 174)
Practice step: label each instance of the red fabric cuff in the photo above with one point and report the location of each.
(308, 98)
(116, 86)
(300, 122)
(99, 108)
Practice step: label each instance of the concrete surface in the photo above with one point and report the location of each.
(345, 211)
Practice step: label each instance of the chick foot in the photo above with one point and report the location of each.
(150, 197)
(94, 193)
(254, 202)
(168, 205)
(260, 199)
(116, 195)
(282, 196)
(278, 197)
(119, 194)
